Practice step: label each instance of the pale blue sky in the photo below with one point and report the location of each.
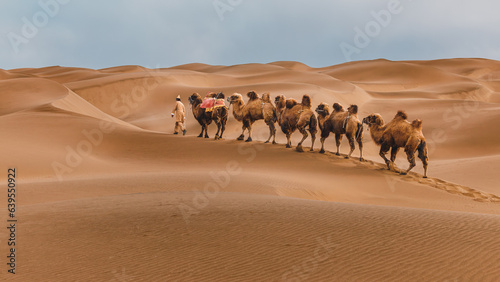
(162, 33)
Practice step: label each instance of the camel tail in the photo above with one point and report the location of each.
(252, 95)
(306, 101)
(422, 149)
(224, 113)
(359, 131)
(313, 123)
(285, 126)
(266, 97)
(353, 109)
(417, 124)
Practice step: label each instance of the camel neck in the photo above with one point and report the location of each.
(376, 132)
(196, 107)
(238, 110)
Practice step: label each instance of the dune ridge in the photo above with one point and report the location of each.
(105, 184)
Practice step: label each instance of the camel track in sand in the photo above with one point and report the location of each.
(437, 183)
(414, 177)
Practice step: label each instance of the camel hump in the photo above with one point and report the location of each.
(266, 97)
(290, 103)
(338, 107)
(417, 124)
(306, 101)
(353, 109)
(252, 95)
(401, 114)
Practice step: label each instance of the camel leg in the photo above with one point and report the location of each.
(313, 138)
(274, 133)
(338, 138)
(351, 144)
(206, 131)
(249, 139)
(217, 122)
(223, 127)
(360, 144)
(270, 132)
(218, 130)
(394, 152)
(410, 154)
(324, 134)
(322, 140)
(201, 133)
(422, 155)
(242, 136)
(304, 136)
(384, 148)
(288, 141)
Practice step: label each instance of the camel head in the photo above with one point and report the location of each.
(194, 97)
(323, 109)
(236, 97)
(374, 119)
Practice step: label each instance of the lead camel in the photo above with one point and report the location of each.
(399, 133)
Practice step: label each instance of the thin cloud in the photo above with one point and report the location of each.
(167, 33)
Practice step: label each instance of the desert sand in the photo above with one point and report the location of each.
(105, 192)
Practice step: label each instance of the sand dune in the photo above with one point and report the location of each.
(107, 193)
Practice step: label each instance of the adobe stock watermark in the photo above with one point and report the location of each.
(223, 6)
(363, 36)
(452, 120)
(32, 25)
(92, 138)
(201, 199)
(303, 270)
(221, 179)
(122, 276)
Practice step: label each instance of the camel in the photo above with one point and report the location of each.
(218, 114)
(292, 115)
(256, 108)
(340, 122)
(199, 114)
(397, 134)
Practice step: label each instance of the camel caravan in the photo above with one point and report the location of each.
(292, 116)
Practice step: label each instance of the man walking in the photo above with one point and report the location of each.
(180, 116)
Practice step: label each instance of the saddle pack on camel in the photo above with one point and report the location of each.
(211, 103)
